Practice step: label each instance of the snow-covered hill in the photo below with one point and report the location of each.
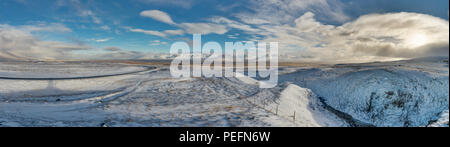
(403, 93)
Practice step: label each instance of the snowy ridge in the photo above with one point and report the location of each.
(403, 93)
(302, 106)
(442, 121)
(295, 104)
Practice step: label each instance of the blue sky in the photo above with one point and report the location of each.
(124, 25)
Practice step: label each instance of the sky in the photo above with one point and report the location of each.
(307, 30)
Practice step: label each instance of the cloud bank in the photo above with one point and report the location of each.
(370, 37)
(17, 43)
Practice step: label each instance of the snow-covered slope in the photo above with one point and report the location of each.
(302, 107)
(404, 93)
(294, 104)
(442, 121)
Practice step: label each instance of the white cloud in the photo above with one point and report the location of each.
(180, 3)
(19, 44)
(233, 24)
(158, 15)
(105, 27)
(251, 20)
(102, 40)
(397, 34)
(368, 38)
(112, 49)
(204, 28)
(163, 34)
(149, 32)
(220, 25)
(285, 11)
(92, 15)
(217, 25)
(44, 27)
(82, 9)
(158, 42)
(233, 36)
(174, 32)
(190, 28)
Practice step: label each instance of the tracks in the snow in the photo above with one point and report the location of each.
(147, 69)
(89, 98)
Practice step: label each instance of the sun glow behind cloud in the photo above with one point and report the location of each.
(417, 40)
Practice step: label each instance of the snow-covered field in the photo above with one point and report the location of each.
(404, 93)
